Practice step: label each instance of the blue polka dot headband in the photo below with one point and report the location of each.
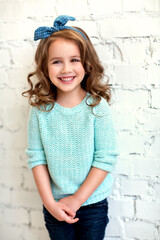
(58, 25)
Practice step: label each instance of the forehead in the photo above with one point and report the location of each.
(63, 47)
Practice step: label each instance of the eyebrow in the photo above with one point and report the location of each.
(55, 58)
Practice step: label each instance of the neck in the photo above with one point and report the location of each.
(70, 99)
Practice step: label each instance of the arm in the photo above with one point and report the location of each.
(37, 162)
(59, 210)
(91, 183)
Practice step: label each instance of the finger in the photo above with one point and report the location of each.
(69, 211)
(71, 220)
(71, 216)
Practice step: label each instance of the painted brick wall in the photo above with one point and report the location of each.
(126, 35)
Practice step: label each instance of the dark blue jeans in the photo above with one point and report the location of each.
(93, 220)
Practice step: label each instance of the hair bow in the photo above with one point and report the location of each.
(59, 24)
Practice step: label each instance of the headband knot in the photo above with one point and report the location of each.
(59, 24)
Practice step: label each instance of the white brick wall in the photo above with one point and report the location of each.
(126, 35)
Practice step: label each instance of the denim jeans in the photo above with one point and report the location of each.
(93, 220)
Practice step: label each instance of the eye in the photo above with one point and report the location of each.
(56, 62)
(75, 60)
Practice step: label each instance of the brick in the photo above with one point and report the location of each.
(22, 158)
(146, 166)
(17, 29)
(149, 120)
(11, 154)
(147, 210)
(151, 5)
(29, 182)
(125, 121)
(133, 6)
(1, 120)
(134, 187)
(123, 27)
(155, 51)
(131, 99)
(129, 75)
(158, 231)
(155, 98)
(133, 52)
(19, 112)
(5, 57)
(1, 216)
(105, 52)
(35, 233)
(121, 208)
(23, 101)
(41, 9)
(140, 230)
(27, 199)
(2, 158)
(135, 143)
(5, 195)
(76, 7)
(7, 137)
(8, 114)
(108, 73)
(37, 219)
(10, 232)
(9, 178)
(114, 228)
(153, 75)
(17, 73)
(155, 149)
(16, 216)
(12, 10)
(12, 100)
(4, 78)
(89, 27)
(18, 54)
(124, 165)
(97, 8)
(157, 190)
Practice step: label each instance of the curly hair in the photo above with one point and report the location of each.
(44, 92)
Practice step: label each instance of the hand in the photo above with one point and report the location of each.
(63, 213)
(72, 202)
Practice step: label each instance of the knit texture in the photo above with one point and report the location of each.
(70, 141)
(58, 25)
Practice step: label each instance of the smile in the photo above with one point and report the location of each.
(66, 80)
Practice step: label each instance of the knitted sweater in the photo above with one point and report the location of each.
(70, 141)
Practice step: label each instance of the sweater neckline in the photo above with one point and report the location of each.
(72, 110)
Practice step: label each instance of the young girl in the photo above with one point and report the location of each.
(71, 139)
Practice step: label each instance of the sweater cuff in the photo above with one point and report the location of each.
(36, 157)
(105, 161)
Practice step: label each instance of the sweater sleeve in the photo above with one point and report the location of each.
(34, 151)
(106, 151)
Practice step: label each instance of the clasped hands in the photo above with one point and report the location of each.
(66, 208)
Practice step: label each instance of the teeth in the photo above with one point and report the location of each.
(67, 79)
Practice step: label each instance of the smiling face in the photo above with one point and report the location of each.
(65, 69)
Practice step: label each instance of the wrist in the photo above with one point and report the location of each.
(49, 205)
(79, 198)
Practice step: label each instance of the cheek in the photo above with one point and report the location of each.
(52, 70)
(81, 70)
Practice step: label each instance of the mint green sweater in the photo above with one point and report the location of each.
(70, 141)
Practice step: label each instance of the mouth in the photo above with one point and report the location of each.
(67, 80)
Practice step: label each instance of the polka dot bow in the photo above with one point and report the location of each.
(59, 24)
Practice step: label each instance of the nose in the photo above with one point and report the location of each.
(66, 67)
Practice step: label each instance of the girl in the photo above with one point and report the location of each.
(71, 139)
